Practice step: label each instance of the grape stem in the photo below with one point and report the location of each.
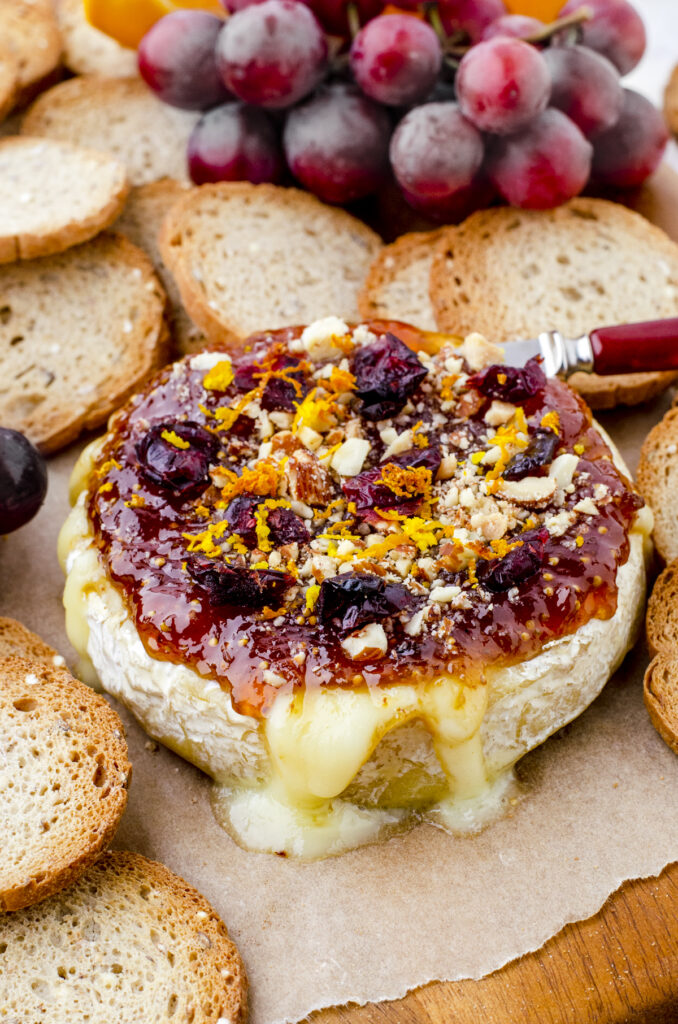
(559, 25)
(353, 18)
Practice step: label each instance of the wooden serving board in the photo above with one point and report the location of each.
(618, 967)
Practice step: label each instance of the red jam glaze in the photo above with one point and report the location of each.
(140, 536)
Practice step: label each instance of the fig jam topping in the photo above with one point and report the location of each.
(259, 517)
(350, 601)
(387, 372)
(510, 383)
(177, 456)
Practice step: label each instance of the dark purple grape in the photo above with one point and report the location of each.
(279, 393)
(285, 527)
(544, 165)
(23, 480)
(501, 574)
(456, 207)
(235, 585)
(510, 383)
(470, 16)
(336, 144)
(435, 154)
(516, 26)
(353, 599)
(585, 86)
(234, 142)
(626, 154)
(616, 30)
(367, 493)
(272, 54)
(502, 85)
(387, 372)
(538, 454)
(333, 14)
(395, 59)
(179, 469)
(177, 60)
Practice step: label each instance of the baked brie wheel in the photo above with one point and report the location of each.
(353, 573)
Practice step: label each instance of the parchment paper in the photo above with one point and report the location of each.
(599, 807)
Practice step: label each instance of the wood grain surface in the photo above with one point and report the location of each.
(618, 967)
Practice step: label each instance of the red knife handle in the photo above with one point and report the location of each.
(636, 348)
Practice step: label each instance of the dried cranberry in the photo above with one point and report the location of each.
(278, 393)
(368, 494)
(519, 565)
(230, 584)
(387, 372)
(284, 525)
(510, 383)
(539, 453)
(183, 470)
(351, 600)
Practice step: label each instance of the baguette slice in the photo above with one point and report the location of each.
(512, 273)
(250, 257)
(54, 195)
(86, 49)
(660, 692)
(130, 942)
(661, 620)
(141, 221)
(657, 481)
(63, 777)
(671, 101)
(16, 640)
(78, 332)
(30, 31)
(397, 285)
(120, 116)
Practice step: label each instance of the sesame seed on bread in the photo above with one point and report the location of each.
(141, 221)
(249, 257)
(54, 195)
(78, 332)
(129, 942)
(30, 31)
(514, 273)
(120, 116)
(86, 49)
(64, 775)
(397, 285)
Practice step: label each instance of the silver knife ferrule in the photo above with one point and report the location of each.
(565, 356)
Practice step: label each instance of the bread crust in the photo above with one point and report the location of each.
(660, 693)
(86, 49)
(31, 32)
(656, 478)
(472, 261)
(65, 739)
(130, 350)
(15, 639)
(9, 80)
(188, 263)
(391, 264)
(65, 227)
(671, 101)
(148, 919)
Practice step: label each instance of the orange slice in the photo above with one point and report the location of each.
(545, 10)
(128, 21)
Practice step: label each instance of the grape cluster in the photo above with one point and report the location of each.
(456, 101)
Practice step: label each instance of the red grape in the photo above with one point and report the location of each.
(585, 86)
(469, 16)
(23, 480)
(176, 60)
(395, 59)
(234, 142)
(435, 153)
(456, 207)
(272, 54)
(616, 30)
(502, 84)
(544, 165)
(336, 144)
(518, 26)
(626, 154)
(333, 14)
